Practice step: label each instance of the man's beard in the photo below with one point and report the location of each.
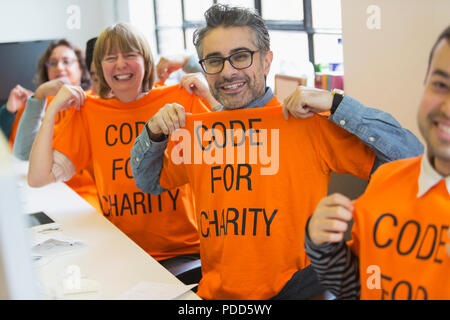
(240, 99)
(435, 147)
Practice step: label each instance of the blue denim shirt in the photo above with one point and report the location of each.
(377, 129)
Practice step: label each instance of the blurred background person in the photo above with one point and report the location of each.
(62, 63)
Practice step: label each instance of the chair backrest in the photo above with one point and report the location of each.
(349, 186)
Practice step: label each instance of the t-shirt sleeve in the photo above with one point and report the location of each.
(340, 151)
(71, 139)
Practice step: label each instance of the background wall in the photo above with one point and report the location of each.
(142, 16)
(385, 67)
(23, 20)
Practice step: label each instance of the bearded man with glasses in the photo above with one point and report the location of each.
(229, 87)
(252, 224)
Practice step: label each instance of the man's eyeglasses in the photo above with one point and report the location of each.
(54, 63)
(239, 60)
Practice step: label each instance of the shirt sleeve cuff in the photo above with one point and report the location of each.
(150, 145)
(348, 114)
(143, 145)
(323, 249)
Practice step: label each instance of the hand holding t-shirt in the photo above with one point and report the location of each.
(66, 97)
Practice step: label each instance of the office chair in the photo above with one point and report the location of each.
(189, 272)
(351, 187)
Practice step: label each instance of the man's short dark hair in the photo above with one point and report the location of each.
(444, 35)
(90, 45)
(225, 16)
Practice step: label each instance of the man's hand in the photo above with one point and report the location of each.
(195, 83)
(168, 119)
(168, 65)
(304, 102)
(17, 98)
(330, 220)
(50, 88)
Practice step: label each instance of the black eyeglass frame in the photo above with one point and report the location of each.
(252, 52)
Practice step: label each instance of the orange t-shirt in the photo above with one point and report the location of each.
(103, 131)
(15, 125)
(82, 182)
(253, 195)
(58, 120)
(402, 235)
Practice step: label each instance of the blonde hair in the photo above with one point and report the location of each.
(128, 39)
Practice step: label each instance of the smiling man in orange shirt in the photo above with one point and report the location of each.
(252, 216)
(400, 246)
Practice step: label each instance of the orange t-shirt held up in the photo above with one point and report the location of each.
(82, 182)
(399, 238)
(256, 179)
(103, 132)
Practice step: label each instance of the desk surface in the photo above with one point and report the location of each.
(110, 258)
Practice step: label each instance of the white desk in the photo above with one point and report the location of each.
(110, 258)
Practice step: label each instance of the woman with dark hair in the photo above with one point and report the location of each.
(74, 65)
(72, 70)
(62, 63)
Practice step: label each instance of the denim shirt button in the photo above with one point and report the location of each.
(342, 122)
(371, 139)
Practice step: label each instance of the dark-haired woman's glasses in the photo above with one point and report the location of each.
(65, 62)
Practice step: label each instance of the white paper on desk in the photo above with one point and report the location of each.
(53, 243)
(156, 291)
